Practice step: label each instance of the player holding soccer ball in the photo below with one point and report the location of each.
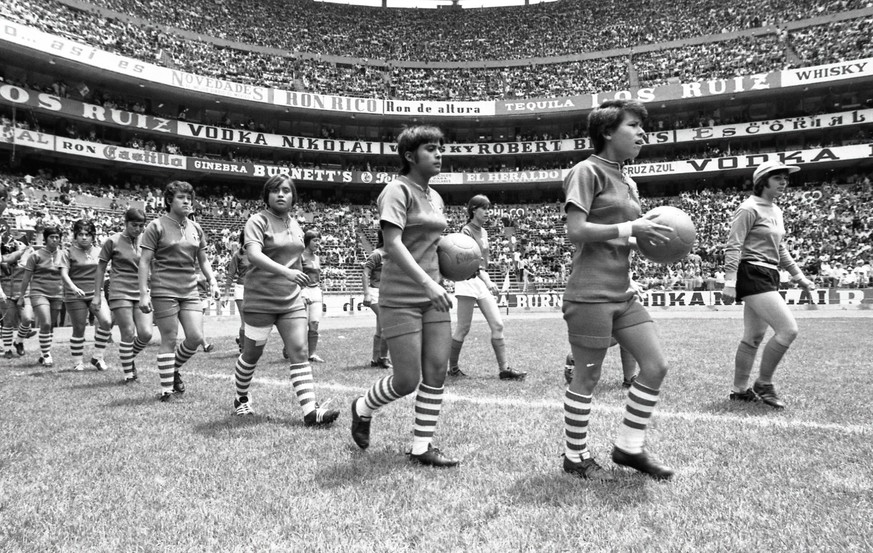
(753, 256)
(603, 213)
(414, 307)
(479, 290)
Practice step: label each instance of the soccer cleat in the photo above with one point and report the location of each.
(178, 385)
(79, 367)
(284, 354)
(511, 374)
(643, 462)
(382, 363)
(628, 382)
(433, 457)
(360, 427)
(456, 372)
(749, 395)
(314, 358)
(99, 364)
(767, 393)
(569, 365)
(8, 354)
(33, 332)
(130, 380)
(322, 416)
(19, 348)
(587, 469)
(242, 406)
(169, 397)
(46, 360)
(208, 348)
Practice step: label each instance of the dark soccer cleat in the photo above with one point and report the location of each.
(360, 427)
(178, 385)
(99, 364)
(767, 393)
(456, 372)
(433, 457)
(8, 354)
(626, 383)
(314, 358)
(322, 416)
(587, 469)
(19, 348)
(643, 462)
(569, 365)
(511, 374)
(169, 397)
(208, 348)
(242, 406)
(749, 396)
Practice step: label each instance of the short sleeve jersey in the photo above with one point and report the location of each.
(45, 268)
(480, 235)
(419, 212)
(81, 266)
(281, 239)
(122, 253)
(238, 267)
(176, 248)
(18, 275)
(600, 269)
(312, 268)
(373, 267)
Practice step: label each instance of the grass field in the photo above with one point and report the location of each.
(90, 465)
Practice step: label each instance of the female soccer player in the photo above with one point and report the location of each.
(78, 271)
(603, 212)
(172, 246)
(753, 256)
(479, 290)
(371, 277)
(121, 253)
(17, 311)
(312, 294)
(237, 268)
(42, 273)
(414, 307)
(272, 297)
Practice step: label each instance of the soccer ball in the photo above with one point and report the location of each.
(681, 239)
(459, 256)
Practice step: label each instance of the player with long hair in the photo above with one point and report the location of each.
(754, 253)
(272, 297)
(42, 274)
(79, 264)
(120, 254)
(172, 247)
(479, 290)
(414, 307)
(313, 296)
(371, 277)
(603, 213)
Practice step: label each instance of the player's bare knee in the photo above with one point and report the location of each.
(405, 384)
(497, 329)
(753, 341)
(786, 336)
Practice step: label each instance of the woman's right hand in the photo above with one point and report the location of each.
(645, 228)
(298, 277)
(367, 301)
(437, 295)
(145, 303)
(729, 293)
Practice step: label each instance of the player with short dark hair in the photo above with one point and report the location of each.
(42, 275)
(313, 296)
(371, 278)
(414, 307)
(603, 213)
(237, 268)
(754, 253)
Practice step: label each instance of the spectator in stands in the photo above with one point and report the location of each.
(371, 278)
(79, 264)
(42, 276)
(172, 246)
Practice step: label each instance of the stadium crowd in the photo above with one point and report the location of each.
(530, 250)
(550, 64)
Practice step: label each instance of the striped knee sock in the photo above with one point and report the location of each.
(125, 354)
(242, 374)
(301, 380)
(743, 362)
(138, 346)
(23, 332)
(499, 347)
(773, 353)
(8, 332)
(77, 347)
(101, 340)
(641, 401)
(577, 412)
(382, 393)
(166, 369)
(428, 402)
(45, 342)
(183, 354)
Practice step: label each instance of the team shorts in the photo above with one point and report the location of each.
(398, 321)
(591, 325)
(238, 291)
(257, 326)
(312, 294)
(170, 307)
(79, 304)
(122, 304)
(374, 295)
(472, 288)
(8, 305)
(53, 303)
(754, 279)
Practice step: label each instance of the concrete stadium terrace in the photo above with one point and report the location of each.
(434, 4)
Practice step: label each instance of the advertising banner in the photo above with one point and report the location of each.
(23, 137)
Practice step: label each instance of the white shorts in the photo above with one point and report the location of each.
(312, 294)
(374, 295)
(473, 288)
(238, 291)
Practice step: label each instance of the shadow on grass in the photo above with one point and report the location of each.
(140, 399)
(372, 464)
(726, 406)
(101, 384)
(560, 489)
(220, 427)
